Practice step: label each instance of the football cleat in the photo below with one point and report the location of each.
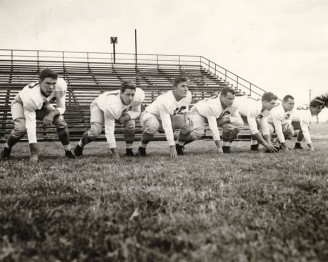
(129, 152)
(298, 146)
(78, 151)
(226, 149)
(255, 147)
(5, 153)
(179, 149)
(142, 151)
(69, 154)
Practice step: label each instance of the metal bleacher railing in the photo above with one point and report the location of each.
(42, 57)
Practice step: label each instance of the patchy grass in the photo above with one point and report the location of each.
(245, 206)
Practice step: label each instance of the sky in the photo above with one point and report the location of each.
(279, 45)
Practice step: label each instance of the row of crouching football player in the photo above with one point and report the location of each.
(169, 111)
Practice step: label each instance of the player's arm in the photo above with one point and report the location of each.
(305, 127)
(109, 133)
(215, 132)
(30, 123)
(277, 122)
(257, 135)
(167, 126)
(266, 130)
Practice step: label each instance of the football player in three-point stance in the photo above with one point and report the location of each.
(256, 113)
(169, 111)
(122, 106)
(302, 119)
(280, 121)
(216, 111)
(33, 102)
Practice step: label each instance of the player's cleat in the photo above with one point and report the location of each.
(142, 151)
(226, 149)
(5, 153)
(78, 151)
(69, 154)
(179, 149)
(129, 152)
(298, 146)
(255, 147)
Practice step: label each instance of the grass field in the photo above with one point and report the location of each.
(245, 206)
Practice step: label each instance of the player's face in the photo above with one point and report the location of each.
(181, 89)
(269, 105)
(128, 96)
(227, 100)
(47, 86)
(315, 110)
(288, 105)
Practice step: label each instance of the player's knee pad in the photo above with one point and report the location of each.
(20, 128)
(130, 125)
(151, 130)
(188, 128)
(94, 131)
(60, 122)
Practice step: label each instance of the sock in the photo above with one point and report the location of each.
(7, 146)
(143, 145)
(226, 143)
(67, 147)
(180, 143)
(80, 143)
(253, 142)
(129, 145)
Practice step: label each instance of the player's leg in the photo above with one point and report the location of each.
(300, 136)
(97, 122)
(230, 132)
(190, 133)
(18, 132)
(150, 124)
(129, 131)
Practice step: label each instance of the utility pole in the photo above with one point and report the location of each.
(113, 41)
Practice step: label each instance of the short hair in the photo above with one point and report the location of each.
(317, 103)
(268, 96)
(287, 97)
(127, 85)
(179, 79)
(47, 72)
(227, 90)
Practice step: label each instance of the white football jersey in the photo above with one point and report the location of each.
(252, 109)
(304, 117)
(32, 99)
(111, 104)
(166, 106)
(211, 108)
(278, 117)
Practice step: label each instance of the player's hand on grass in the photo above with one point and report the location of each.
(271, 148)
(285, 149)
(311, 147)
(219, 150)
(34, 153)
(173, 152)
(115, 153)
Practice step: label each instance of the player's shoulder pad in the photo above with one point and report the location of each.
(61, 84)
(32, 85)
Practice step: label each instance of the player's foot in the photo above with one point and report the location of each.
(142, 151)
(5, 153)
(226, 149)
(298, 146)
(78, 151)
(255, 147)
(69, 154)
(129, 152)
(179, 149)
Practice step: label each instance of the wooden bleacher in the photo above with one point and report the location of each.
(88, 79)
